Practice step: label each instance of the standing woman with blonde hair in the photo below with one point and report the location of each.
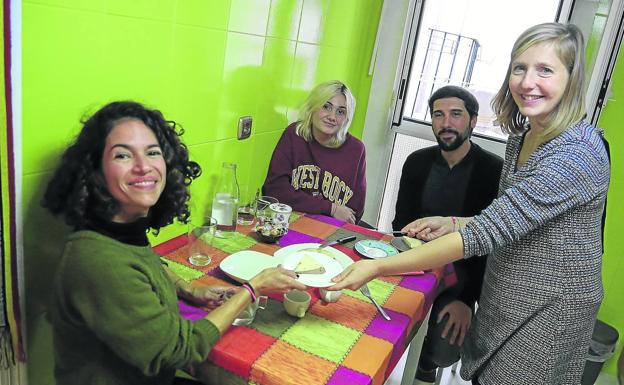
(542, 286)
(317, 167)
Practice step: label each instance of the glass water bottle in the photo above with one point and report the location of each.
(225, 203)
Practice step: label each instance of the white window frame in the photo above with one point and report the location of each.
(392, 60)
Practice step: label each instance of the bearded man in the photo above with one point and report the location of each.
(454, 178)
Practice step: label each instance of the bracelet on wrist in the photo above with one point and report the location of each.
(247, 286)
(256, 293)
(455, 223)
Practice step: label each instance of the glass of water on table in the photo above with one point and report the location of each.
(247, 208)
(200, 237)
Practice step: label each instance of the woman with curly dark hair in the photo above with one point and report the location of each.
(115, 317)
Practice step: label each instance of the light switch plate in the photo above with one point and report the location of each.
(244, 127)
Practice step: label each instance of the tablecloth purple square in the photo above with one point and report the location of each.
(346, 376)
(293, 237)
(326, 219)
(190, 312)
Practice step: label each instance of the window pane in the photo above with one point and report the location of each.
(454, 46)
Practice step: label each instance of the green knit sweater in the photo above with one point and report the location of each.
(115, 317)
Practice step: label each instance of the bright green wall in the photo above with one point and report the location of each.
(204, 63)
(611, 119)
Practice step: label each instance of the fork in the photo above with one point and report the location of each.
(364, 290)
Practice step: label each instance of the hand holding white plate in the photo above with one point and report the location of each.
(244, 265)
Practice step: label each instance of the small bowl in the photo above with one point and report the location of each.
(271, 238)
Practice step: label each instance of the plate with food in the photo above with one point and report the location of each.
(244, 265)
(314, 269)
(336, 254)
(373, 249)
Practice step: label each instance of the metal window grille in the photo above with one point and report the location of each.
(449, 59)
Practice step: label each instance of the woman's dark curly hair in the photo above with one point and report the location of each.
(78, 190)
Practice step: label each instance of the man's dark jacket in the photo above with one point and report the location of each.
(482, 188)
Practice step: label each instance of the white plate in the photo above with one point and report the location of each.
(338, 255)
(244, 265)
(332, 268)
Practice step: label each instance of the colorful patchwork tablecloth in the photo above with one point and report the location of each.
(342, 343)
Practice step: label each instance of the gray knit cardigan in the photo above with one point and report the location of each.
(542, 286)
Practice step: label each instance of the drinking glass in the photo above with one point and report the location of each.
(263, 212)
(200, 240)
(247, 315)
(247, 208)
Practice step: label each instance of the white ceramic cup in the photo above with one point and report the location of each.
(329, 295)
(297, 302)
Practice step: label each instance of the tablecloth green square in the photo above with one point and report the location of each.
(186, 273)
(321, 337)
(234, 243)
(380, 290)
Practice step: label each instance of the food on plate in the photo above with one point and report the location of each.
(321, 251)
(307, 262)
(411, 242)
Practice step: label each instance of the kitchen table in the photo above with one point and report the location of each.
(347, 342)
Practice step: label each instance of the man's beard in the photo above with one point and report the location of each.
(455, 143)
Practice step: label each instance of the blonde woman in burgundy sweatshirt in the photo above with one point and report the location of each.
(317, 167)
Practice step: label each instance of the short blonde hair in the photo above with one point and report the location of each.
(317, 98)
(568, 42)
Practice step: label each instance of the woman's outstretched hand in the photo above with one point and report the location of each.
(429, 228)
(355, 275)
(276, 280)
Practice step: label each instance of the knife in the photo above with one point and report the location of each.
(338, 241)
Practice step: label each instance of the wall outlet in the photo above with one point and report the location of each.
(244, 127)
